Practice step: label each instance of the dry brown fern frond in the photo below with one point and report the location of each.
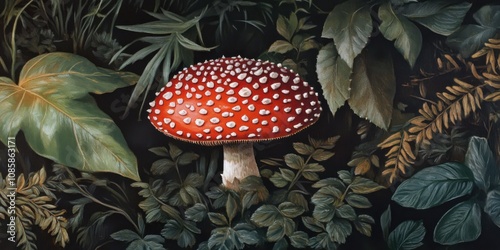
(400, 157)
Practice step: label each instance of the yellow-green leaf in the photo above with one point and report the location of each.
(61, 121)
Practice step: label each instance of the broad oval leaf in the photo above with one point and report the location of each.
(61, 121)
(299, 239)
(470, 38)
(406, 36)
(462, 223)
(276, 231)
(266, 215)
(481, 162)
(492, 206)
(440, 16)
(407, 235)
(362, 185)
(294, 161)
(489, 16)
(290, 209)
(334, 76)
(373, 86)
(350, 26)
(339, 230)
(435, 185)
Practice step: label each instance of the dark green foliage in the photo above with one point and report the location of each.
(446, 182)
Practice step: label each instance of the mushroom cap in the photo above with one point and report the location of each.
(234, 100)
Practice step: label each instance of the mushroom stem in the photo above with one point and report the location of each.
(239, 163)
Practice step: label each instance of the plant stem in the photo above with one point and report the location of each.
(13, 42)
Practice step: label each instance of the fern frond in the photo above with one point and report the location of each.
(400, 157)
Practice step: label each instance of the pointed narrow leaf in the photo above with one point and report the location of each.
(407, 235)
(406, 36)
(480, 160)
(435, 185)
(334, 77)
(61, 121)
(462, 223)
(373, 87)
(350, 26)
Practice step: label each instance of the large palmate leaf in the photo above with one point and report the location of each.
(373, 87)
(61, 121)
(406, 36)
(350, 26)
(441, 16)
(334, 76)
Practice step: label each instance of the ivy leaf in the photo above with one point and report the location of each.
(373, 86)
(492, 207)
(334, 77)
(407, 235)
(481, 162)
(350, 26)
(60, 120)
(462, 223)
(435, 185)
(439, 16)
(395, 27)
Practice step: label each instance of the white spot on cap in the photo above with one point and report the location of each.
(218, 129)
(217, 110)
(255, 120)
(244, 118)
(203, 111)
(263, 79)
(249, 79)
(276, 129)
(182, 112)
(152, 104)
(206, 131)
(276, 96)
(210, 84)
(199, 122)
(264, 112)
(166, 120)
(255, 86)
(230, 92)
(264, 123)
(285, 91)
(230, 124)
(251, 135)
(233, 85)
(273, 75)
(243, 128)
(251, 107)
(218, 137)
(214, 120)
(294, 87)
(157, 111)
(148, 110)
(232, 99)
(274, 119)
(179, 132)
(210, 103)
(187, 120)
(290, 119)
(308, 111)
(298, 125)
(266, 101)
(298, 111)
(245, 92)
(288, 130)
(189, 95)
(172, 125)
(242, 76)
(167, 95)
(199, 135)
(178, 85)
(275, 85)
(298, 97)
(170, 111)
(236, 108)
(287, 109)
(276, 108)
(219, 89)
(180, 100)
(258, 72)
(225, 114)
(255, 98)
(285, 79)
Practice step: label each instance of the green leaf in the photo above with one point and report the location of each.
(470, 38)
(159, 151)
(299, 239)
(395, 27)
(481, 162)
(287, 174)
(247, 233)
(326, 195)
(362, 224)
(362, 185)
(407, 235)
(221, 238)
(281, 244)
(186, 158)
(294, 161)
(339, 229)
(217, 219)
(385, 222)
(276, 231)
(313, 224)
(441, 16)
(290, 209)
(324, 212)
(286, 27)
(280, 46)
(489, 16)
(373, 86)
(345, 176)
(346, 212)
(335, 182)
(303, 148)
(196, 213)
(314, 167)
(322, 241)
(278, 180)
(60, 120)
(126, 235)
(231, 207)
(492, 206)
(162, 166)
(266, 215)
(350, 26)
(462, 223)
(357, 201)
(435, 185)
(322, 155)
(334, 77)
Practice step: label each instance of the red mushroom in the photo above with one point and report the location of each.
(234, 102)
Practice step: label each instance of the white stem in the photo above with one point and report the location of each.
(239, 162)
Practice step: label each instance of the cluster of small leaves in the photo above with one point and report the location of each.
(163, 197)
(33, 205)
(335, 201)
(436, 185)
(94, 202)
(297, 39)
